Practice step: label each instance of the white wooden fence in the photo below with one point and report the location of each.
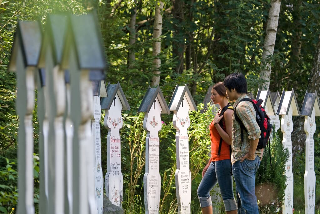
(66, 65)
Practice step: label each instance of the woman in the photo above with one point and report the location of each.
(218, 168)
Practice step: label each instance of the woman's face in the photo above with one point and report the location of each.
(215, 97)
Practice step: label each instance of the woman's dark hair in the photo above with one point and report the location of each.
(219, 87)
(236, 81)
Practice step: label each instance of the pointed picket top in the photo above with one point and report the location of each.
(112, 91)
(178, 96)
(267, 103)
(310, 102)
(288, 99)
(150, 97)
(28, 39)
(84, 36)
(54, 36)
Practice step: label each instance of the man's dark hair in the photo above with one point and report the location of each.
(236, 81)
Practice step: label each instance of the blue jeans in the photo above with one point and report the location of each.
(219, 171)
(245, 175)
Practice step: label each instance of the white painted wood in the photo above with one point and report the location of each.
(114, 178)
(152, 179)
(43, 146)
(91, 168)
(286, 129)
(181, 122)
(81, 114)
(25, 106)
(97, 143)
(55, 105)
(309, 174)
(269, 108)
(68, 153)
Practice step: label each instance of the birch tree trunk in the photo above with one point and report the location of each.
(157, 31)
(132, 37)
(269, 42)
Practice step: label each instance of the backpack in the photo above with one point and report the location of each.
(262, 119)
(221, 123)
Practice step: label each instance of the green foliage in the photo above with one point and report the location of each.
(8, 187)
(271, 178)
(222, 37)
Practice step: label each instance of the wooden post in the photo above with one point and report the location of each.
(55, 93)
(181, 103)
(288, 108)
(83, 53)
(310, 109)
(43, 141)
(275, 121)
(153, 105)
(97, 146)
(68, 127)
(23, 61)
(113, 104)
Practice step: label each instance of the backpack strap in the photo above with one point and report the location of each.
(223, 110)
(238, 119)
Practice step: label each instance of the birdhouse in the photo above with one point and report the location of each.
(23, 61)
(83, 56)
(153, 105)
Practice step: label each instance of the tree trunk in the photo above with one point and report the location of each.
(269, 42)
(178, 36)
(157, 31)
(296, 38)
(190, 37)
(314, 85)
(132, 37)
(298, 134)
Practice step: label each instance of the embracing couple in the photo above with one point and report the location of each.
(232, 152)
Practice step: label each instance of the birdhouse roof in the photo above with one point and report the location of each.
(150, 97)
(287, 101)
(112, 91)
(55, 33)
(310, 102)
(265, 97)
(28, 39)
(84, 36)
(178, 96)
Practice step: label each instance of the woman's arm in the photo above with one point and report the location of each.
(227, 134)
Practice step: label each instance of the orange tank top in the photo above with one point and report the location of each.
(215, 141)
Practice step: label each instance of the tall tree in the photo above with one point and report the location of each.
(178, 43)
(269, 42)
(132, 35)
(157, 31)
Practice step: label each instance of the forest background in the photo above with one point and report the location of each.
(200, 42)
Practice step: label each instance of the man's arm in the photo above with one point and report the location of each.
(247, 115)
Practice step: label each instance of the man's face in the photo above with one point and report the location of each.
(231, 94)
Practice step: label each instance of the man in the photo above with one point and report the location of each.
(245, 157)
